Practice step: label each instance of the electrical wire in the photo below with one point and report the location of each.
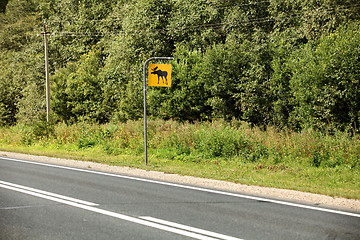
(209, 25)
(158, 15)
(346, 7)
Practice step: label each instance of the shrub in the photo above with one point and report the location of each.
(221, 142)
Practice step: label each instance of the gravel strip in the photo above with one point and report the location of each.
(297, 196)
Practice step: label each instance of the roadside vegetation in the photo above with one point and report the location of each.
(231, 151)
(292, 64)
(263, 92)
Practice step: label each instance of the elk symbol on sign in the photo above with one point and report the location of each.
(160, 74)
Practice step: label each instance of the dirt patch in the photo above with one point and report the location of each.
(311, 198)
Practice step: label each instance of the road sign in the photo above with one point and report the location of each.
(159, 75)
(152, 72)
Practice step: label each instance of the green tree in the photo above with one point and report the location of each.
(21, 64)
(295, 24)
(222, 68)
(234, 58)
(77, 90)
(75, 25)
(186, 99)
(142, 35)
(10, 88)
(198, 24)
(3, 4)
(326, 81)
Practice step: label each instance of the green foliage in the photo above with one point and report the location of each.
(307, 160)
(222, 71)
(3, 4)
(9, 90)
(198, 142)
(77, 90)
(326, 81)
(219, 140)
(189, 21)
(292, 64)
(38, 131)
(220, 143)
(19, 59)
(186, 100)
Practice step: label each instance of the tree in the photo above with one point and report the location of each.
(77, 90)
(326, 81)
(143, 34)
(250, 60)
(222, 69)
(21, 63)
(198, 24)
(186, 99)
(3, 4)
(10, 89)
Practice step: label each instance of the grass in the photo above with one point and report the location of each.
(306, 161)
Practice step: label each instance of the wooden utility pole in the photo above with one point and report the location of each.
(45, 33)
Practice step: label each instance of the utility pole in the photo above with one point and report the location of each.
(45, 33)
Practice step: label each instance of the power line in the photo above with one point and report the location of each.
(157, 15)
(209, 25)
(343, 7)
(85, 34)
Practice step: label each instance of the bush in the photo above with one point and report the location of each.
(228, 143)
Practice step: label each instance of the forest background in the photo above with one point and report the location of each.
(288, 65)
(292, 64)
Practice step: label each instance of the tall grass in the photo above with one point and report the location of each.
(208, 140)
(233, 151)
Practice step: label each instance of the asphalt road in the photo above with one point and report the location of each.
(41, 201)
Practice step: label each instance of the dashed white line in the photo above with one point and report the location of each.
(191, 229)
(173, 228)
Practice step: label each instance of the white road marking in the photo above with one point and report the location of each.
(17, 207)
(164, 227)
(192, 188)
(191, 229)
(33, 190)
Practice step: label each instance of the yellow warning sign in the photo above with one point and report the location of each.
(159, 75)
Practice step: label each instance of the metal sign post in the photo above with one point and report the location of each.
(145, 118)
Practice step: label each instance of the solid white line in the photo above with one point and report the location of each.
(192, 188)
(17, 207)
(59, 200)
(191, 229)
(48, 193)
(109, 213)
